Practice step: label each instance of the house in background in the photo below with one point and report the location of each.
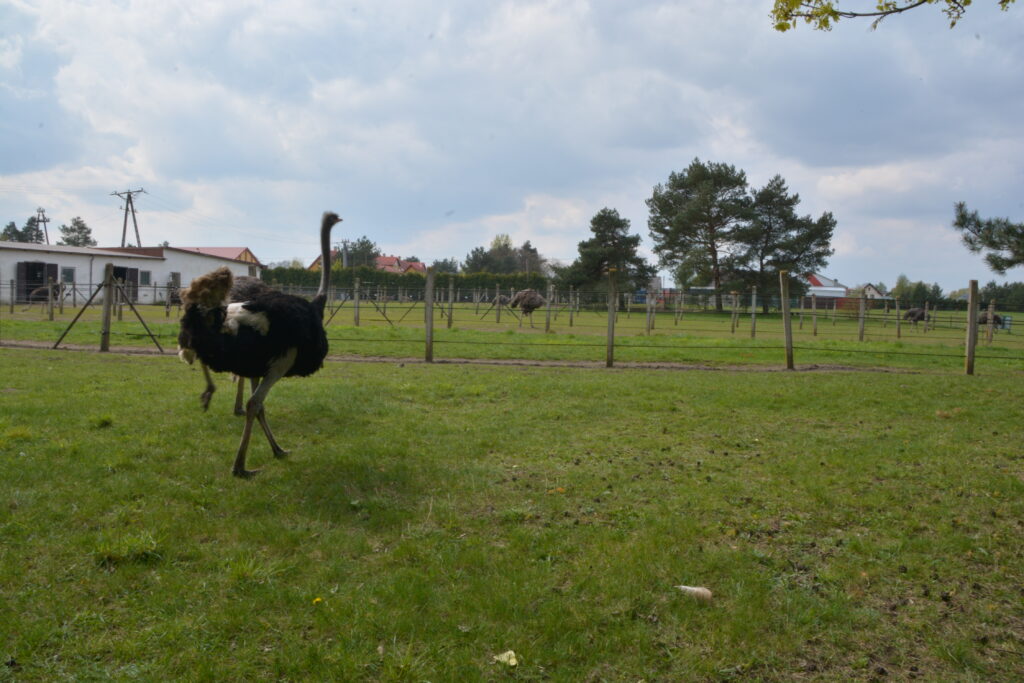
(393, 264)
(148, 273)
(871, 292)
(388, 264)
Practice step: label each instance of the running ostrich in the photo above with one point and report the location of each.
(528, 300)
(269, 336)
(243, 288)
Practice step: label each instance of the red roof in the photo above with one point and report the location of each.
(393, 264)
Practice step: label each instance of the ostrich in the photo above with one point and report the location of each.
(528, 300)
(916, 315)
(243, 288)
(269, 336)
(997, 319)
(41, 294)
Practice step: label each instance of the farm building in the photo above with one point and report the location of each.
(149, 273)
(825, 290)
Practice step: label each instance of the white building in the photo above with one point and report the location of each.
(148, 273)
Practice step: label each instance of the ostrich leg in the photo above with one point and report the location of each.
(262, 417)
(240, 395)
(254, 410)
(204, 399)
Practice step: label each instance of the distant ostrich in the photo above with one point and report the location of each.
(41, 294)
(270, 336)
(528, 300)
(997, 319)
(916, 315)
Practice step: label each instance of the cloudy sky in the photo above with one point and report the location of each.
(432, 127)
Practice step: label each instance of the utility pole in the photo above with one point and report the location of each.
(342, 247)
(42, 220)
(129, 205)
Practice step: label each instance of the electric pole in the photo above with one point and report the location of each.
(129, 205)
(42, 220)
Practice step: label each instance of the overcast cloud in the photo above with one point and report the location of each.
(431, 127)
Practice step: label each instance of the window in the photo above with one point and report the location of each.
(145, 278)
(67, 275)
(176, 280)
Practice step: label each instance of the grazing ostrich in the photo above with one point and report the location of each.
(997, 319)
(916, 315)
(528, 300)
(269, 336)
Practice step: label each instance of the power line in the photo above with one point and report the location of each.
(129, 205)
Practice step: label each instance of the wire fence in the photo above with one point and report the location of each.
(572, 325)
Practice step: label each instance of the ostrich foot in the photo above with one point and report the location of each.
(204, 400)
(281, 453)
(239, 411)
(244, 473)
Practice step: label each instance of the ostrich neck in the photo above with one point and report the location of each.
(325, 259)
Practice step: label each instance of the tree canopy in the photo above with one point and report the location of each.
(822, 14)
(611, 250)
(361, 252)
(709, 226)
(31, 232)
(695, 218)
(1002, 240)
(776, 238)
(503, 257)
(78, 234)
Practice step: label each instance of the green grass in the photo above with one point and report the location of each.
(697, 338)
(852, 526)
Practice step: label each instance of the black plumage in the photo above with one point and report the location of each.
(268, 336)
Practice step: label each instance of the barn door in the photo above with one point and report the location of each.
(131, 281)
(22, 282)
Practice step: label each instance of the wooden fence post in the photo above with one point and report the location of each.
(428, 316)
(355, 302)
(497, 304)
(896, 301)
(753, 313)
(612, 301)
(814, 315)
(989, 323)
(551, 296)
(926, 316)
(860, 318)
(451, 300)
(12, 297)
(972, 327)
(49, 299)
(108, 292)
(571, 306)
(786, 323)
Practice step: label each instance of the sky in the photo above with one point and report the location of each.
(432, 127)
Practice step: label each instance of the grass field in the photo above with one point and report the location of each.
(852, 525)
(698, 337)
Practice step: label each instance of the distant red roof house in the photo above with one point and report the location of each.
(389, 264)
(393, 264)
